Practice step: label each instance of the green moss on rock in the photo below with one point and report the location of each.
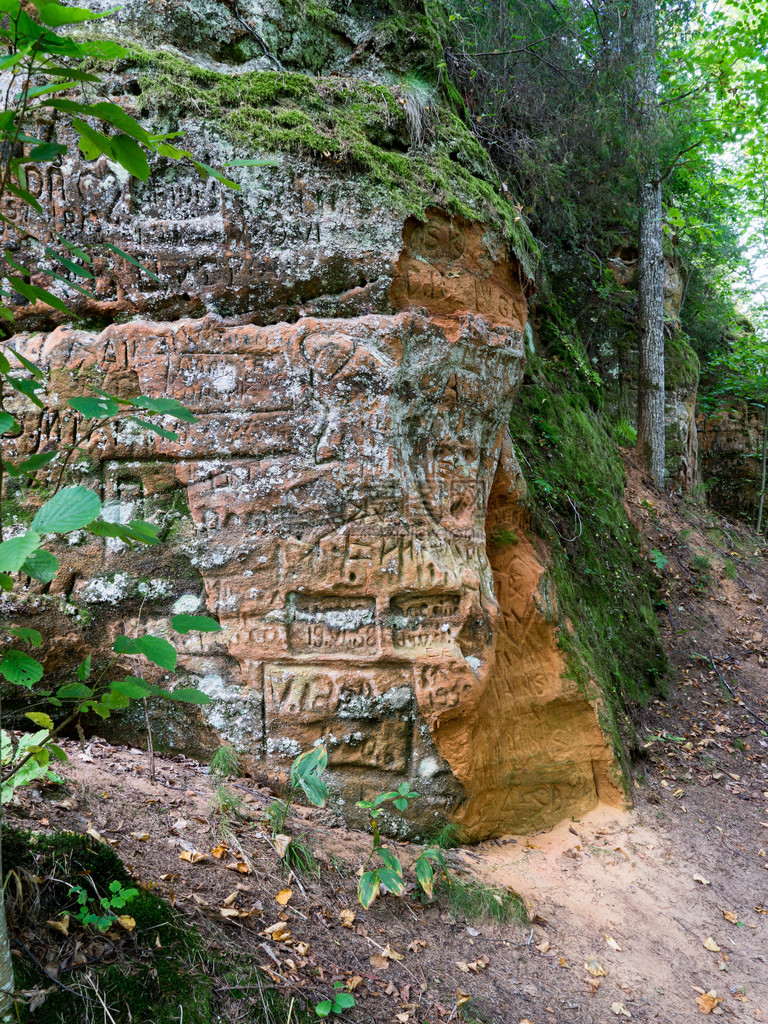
(605, 588)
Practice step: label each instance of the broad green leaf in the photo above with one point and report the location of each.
(114, 700)
(134, 532)
(91, 143)
(135, 262)
(131, 687)
(55, 14)
(70, 509)
(324, 1008)
(6, 581)
(57, 752)
(110, 113)
(41, 565)
(169, 435)
(368, 888)
(35, 462)
(252, 163)
(194, 624)
(188, 695)
(74, 691)
(32, 636)
(392, 880)
(131, 156)
(310, 762)
(41, 719)
(390, 860)
(344, 1000)
(35, 294)
(7, 422)
(154, 648)
(315, 790)
(84, 669)
(425, 875)
(47, 151)
(15, 552)
(27, 197)
(94, 408)
(19, 668)
(208, 171)
(401, 804)
(48, 68)
(165, 406)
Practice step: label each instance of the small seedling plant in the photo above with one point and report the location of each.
(390, 872)
(305, 776)
(341, 1001)
(101, 915)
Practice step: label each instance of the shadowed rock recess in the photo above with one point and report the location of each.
(348, 329)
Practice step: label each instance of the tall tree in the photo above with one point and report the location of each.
(650, 264)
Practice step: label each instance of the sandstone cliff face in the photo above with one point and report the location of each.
(351, 342)
(731, 453)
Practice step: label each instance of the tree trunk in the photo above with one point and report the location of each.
(650, 262)
(6, 963)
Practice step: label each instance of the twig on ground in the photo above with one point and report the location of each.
(47, 973)
(735, 695)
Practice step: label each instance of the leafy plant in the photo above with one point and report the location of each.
(340, 1002)
(305, 776)
(101, 915)
(32, 771)
(390, 871)
(659, 560)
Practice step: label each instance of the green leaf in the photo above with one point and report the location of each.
(169, 435)
(35, 462)
(114, 700)
(57, 752)
(425, 875)
(188, 695)
(34, 370)
(131, 156)
(84, 669)
(315, 790)
(73, 248)
(14, 552)
(309, 763)
(165, 406)
(132, 687)
(324, 1008)
(70, 509)
(19, 668)
(94, 408)
(392, 880)
(27, 388)
(35, 295)
(6, 582)
(207, 171)
(194, 624)
(154, 648)
(344, 1000)
(91, 143)
(41, 565)
(7, 422)
(46, 151)
(32, 636)
(74, 268)
(252, 163)
(149, 273)
(55, 14)
(41, 719)
(368, 888)
(401, 805)
(390, 860)
(70, 284)
(74, 691)
(23, 194)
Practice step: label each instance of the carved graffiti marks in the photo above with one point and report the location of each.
(449, 266)
(344, 626)
(425, 621)
(441, 689)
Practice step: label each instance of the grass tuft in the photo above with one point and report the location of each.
(477, 901)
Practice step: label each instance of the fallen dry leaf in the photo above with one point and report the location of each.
(126, 922)
(220, 851)
(231, 898)
(620, 1010)
(561, 962)
(302, 948)
(462, 997)
(229, 912)
(239, 865)
(354, 982)
(543, 946)
(141, 836)
(391, 954)
(416, 945)
(711, 945)
(403, 1017)
(91, 831)
(283, 896)
(347, 918)
(612, 942)
(594, 968)
(708, 1001)
(60, 926)
(193, 856)
(377, 960)
(281, 844)
(278, 932)
(701, 879)
(730, 916)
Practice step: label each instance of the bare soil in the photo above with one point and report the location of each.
(634, 915)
